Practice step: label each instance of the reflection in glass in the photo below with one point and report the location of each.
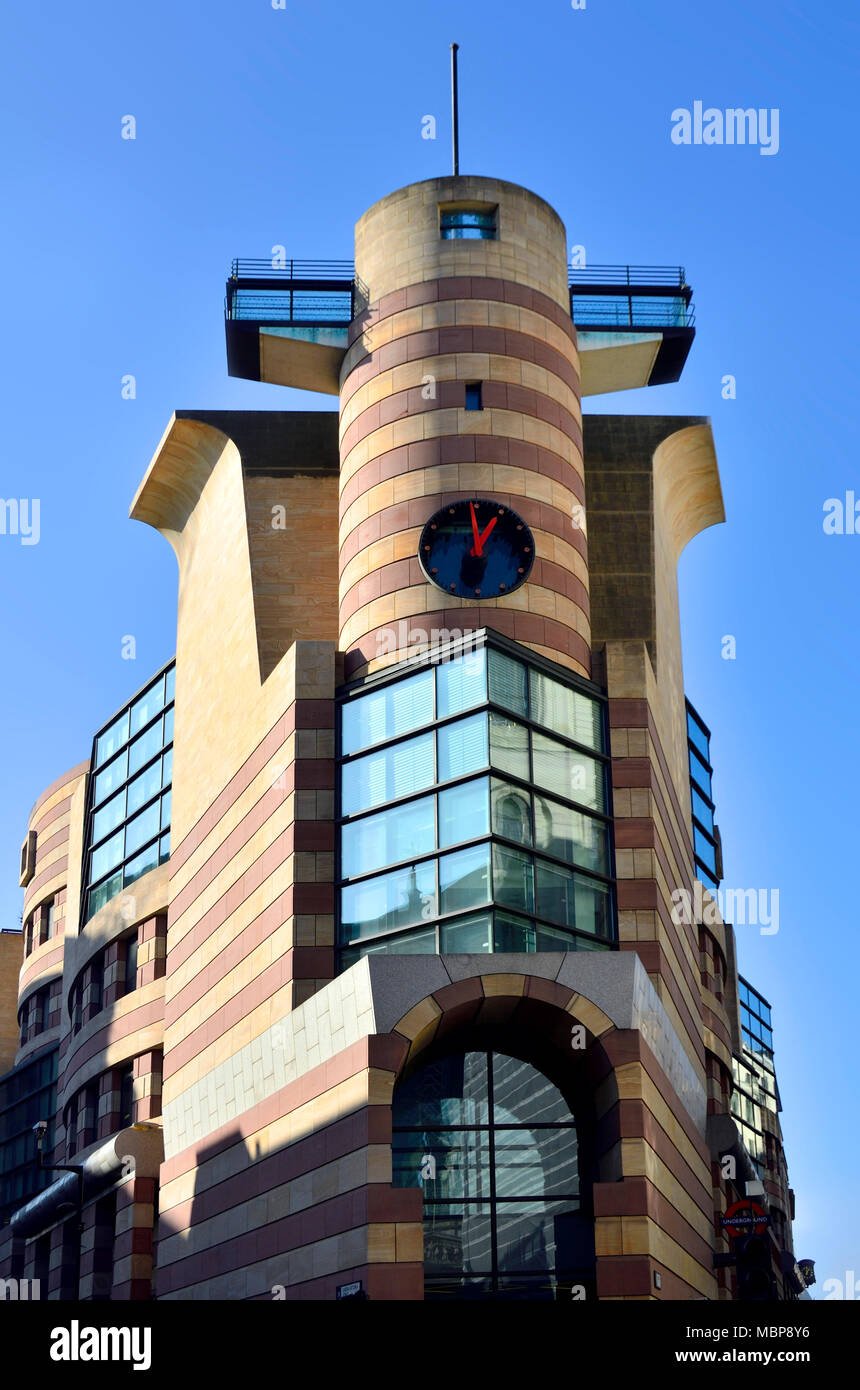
(405, 832)
(389, 901)
(461, 683)
(383, 714)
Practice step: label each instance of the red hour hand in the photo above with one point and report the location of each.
(476, 548)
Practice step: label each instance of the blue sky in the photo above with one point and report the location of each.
(258, 127)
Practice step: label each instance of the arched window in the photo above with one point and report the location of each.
(493, 1145)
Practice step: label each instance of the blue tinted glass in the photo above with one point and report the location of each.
(165, 810)
(392, 772)
(383, 714)
(107, 857)
(453, 1091)
(473, 396)
(406, 832)
(146, 860)
(593, 907)
(461, 683)
(112, 777)
(464, 879)
(701, 810)
(398, 899)
(463, 747)
(700, 774)
(464, 812)
(109, 817)
(144, 787)
(142, 828)
(704, 849)
(144, 747)
(698, 736)
(147, 706)
(112, 739)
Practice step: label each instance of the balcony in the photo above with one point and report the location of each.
(287, 321)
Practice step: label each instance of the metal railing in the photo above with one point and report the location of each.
(634, 276)
(277, 268)
(317, 293)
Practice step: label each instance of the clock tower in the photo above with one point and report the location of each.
(460, 390)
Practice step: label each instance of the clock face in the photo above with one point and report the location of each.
(476, 549)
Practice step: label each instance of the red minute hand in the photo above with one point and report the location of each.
(484, 534)
(476, 549)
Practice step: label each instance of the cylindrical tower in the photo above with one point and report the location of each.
(461, 382)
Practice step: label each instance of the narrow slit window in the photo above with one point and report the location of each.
(474, 396)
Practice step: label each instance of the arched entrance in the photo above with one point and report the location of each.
(496, 1148)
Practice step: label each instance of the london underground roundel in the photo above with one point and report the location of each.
(477, 549)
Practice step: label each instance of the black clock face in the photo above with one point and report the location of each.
(476, 549)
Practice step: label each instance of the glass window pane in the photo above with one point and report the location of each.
(467, 936)
(382, 714)
(704, 849)
(165, 810)
(464, 879)
(464, 812)
(445, 1163)
(104, 892)
(701, 810)
(700, 774)
(144, 827)
(698, 736)
(461, 683)
(573, 775)
(453, 1091)
(170, 685)
(511, 813)
(109, 817)
(523, 1095)
(112, 739)
(457, 1237)
(389, 901)
(509, 746)
(144, 747)
(568, 712)
(144, 787)
(513, 934)
(146, 860)
(463, 747)
(572, 835)
(556, 893)
(111, 777)
(107, 856)
(406, 832)
(167, 768)
(413, 943)
(537, 1235)
(390, 773)
(508, 682)
(536, 1163)
(593, 907)
(168, 727)
(548, 939)
(147, 706)
(513, 879)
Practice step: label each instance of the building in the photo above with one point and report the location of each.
(369, 976)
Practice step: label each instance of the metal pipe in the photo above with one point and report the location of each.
(455, 110)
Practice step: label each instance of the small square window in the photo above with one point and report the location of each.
(474, 396)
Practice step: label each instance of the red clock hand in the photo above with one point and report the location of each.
(484, 534)
(476, 549)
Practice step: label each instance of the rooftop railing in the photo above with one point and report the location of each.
(620, 298)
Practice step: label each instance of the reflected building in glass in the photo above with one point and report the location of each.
(352, 957)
